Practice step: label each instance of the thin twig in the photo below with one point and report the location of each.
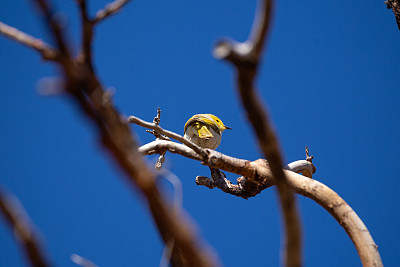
(202, 152)
(87, 33)
(18, 220)
(81, 261)
(109, 10)
(55, 27)
(156, 121)
(245, 57)
(159, 136)
(47, 52)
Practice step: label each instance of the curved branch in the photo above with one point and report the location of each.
(342, 212)
(258, 173)
(18, 220)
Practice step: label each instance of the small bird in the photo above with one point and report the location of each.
(205, 130)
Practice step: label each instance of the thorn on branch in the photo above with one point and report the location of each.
(157, 119)
(309, 159)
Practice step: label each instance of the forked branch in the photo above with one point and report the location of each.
(82, 83)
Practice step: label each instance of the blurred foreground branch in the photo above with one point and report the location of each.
(83, 85)
(246, 57)
(19, 222)
(47, 52)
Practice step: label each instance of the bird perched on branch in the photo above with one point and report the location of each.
(205, 130)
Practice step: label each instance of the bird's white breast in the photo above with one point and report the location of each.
(192, 135)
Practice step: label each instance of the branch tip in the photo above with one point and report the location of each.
(47, 52)
(110, 9)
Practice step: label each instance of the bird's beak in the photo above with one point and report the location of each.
(227, 128)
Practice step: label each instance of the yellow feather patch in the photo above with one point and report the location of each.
(203, 131)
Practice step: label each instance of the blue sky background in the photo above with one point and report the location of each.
(330, 78)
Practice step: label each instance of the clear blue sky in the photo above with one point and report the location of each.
(330, 78)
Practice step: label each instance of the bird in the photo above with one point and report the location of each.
(205, 130)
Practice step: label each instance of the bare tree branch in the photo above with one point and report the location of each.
(344, 215)
(87, 34)
(55, 27)
(245, 57)
(109, 10)
(158, 136)
(395, 6)
(257, 176)
(47, 52)
(83, 85)
(18, 220)
(218, 180)
(81, 261)
(88, 25)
